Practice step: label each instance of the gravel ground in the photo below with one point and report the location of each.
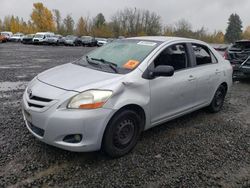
(197, 150)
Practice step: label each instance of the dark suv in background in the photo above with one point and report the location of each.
(239, 56)
(88, 41)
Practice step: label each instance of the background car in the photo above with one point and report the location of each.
(239, 56)
(7, 34)
(221, 48)
(101, 41)
(72, 40)
(17, 37)
(3, 38)
(54, 40)
(88, 41)
(27, 39)
(41, 37)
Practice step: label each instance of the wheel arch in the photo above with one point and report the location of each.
(225, 85)
(135, 107)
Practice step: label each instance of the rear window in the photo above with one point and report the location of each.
(203, 55)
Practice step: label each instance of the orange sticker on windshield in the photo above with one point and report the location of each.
(131, 64)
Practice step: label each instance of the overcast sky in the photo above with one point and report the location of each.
(212, 14)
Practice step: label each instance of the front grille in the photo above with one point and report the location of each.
(36, 98)
(35, 105)
(37, 130)
(37, 102)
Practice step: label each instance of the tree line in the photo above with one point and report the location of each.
(128, 22)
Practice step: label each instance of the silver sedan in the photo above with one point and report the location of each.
(105, 99)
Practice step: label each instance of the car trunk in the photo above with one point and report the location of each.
(239, 52)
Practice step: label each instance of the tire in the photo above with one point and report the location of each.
(218, 100)
(122, 133)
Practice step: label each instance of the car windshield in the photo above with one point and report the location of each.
(124, 54)
(70, 37)
(5, 34)
(51, 36)
(85, 37)
(39, 36)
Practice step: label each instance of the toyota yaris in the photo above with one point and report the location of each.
(105, 99)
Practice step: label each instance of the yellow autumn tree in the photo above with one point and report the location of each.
(14, 24)
(219, 37)
(246, 34)
(6, 23)
(42, 18)
(103, 31)
(81, 28)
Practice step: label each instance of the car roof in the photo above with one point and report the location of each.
(163, 38)
(44, 33)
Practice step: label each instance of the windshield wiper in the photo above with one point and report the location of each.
(112, 65)
(91, 62)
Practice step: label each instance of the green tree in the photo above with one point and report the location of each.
(234, 29)
(69, 25)
(42, 18)
(99, 20)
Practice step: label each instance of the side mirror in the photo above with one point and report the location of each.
(162, 70)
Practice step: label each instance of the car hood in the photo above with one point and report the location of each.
(77, 78)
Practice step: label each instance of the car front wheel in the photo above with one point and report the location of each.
(122, 133)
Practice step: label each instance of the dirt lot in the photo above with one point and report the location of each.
(198, 150)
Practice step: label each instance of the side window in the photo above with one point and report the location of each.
(203, 55)
(175, 55)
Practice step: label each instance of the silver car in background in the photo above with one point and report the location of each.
(105, 99)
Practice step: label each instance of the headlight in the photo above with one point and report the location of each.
(91, 99)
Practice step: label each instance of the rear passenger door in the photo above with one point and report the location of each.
(207, 72)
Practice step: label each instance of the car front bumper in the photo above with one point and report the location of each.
(52, 125)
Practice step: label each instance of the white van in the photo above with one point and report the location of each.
(7, 34)
(41, 37)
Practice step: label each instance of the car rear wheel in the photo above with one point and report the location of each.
(122, 133)
(218, 100)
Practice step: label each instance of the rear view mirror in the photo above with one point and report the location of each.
(162, 70)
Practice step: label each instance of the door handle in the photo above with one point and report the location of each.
(191, 78)
(217, 71)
